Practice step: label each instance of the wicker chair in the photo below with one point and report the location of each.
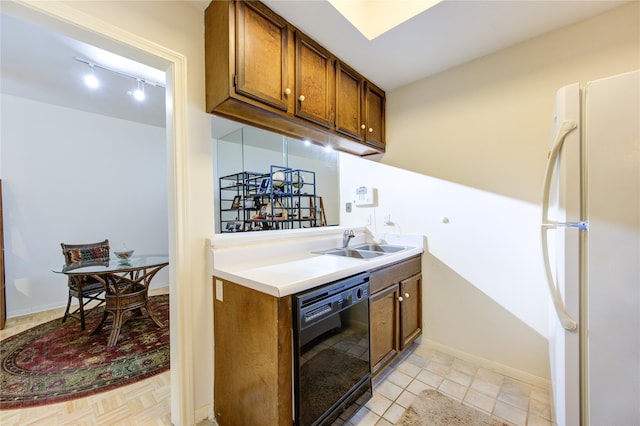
(85, 288)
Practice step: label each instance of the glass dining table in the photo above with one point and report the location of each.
(126, 284)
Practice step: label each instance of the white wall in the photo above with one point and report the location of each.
(481, 266)
(476, 137)
(75, 177)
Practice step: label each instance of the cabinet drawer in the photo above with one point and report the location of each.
(393, 274)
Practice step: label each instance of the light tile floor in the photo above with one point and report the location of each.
(511, 401)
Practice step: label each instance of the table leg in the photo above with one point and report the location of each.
(150, 314)
(115, 330)
(99, 326)
(127, 294)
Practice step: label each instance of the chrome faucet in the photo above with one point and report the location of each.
(347, 236)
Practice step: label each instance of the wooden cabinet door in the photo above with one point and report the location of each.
(383, 313)
(253, 355)
(374, 132)
(349, 89)
(314, 95)
(261, 54)
(410, 310)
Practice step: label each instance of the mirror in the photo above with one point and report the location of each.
(266, 181)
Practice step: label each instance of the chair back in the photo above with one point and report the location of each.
(75, 253)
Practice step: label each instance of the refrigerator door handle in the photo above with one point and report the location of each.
(567, 322)
(582, 225)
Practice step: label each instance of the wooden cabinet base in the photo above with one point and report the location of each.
(253, 357)
(236, 110)
(395, 309)
(383, 310)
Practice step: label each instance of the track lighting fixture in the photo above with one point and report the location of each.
(92, 81)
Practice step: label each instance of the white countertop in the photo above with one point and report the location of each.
(283, 263)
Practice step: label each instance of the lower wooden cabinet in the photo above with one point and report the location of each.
(383, 323)
(253, 355)
(395, 310)
(410, 310)
(253, 350)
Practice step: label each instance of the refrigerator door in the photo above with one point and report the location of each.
(611, 349)
(560, 246)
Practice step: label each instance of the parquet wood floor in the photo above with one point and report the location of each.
(147, 402)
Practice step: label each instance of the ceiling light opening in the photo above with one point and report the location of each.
(375, 17)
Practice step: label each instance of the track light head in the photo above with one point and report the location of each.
(138, 94)
(90, 78)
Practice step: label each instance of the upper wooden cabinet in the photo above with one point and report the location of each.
(314, 68)
(262, 71)
(373, 122)
(262, 53)
(360, 107)
(349, 89)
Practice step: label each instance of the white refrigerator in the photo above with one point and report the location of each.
(591, 251)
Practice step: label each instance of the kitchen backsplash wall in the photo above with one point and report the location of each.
(482, 269)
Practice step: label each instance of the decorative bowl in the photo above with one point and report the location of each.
(124, 254)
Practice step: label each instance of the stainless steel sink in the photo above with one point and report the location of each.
(379, 248)
(356, 254)
(364, 251)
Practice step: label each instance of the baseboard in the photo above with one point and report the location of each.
(505, 370)
(15, 314)
(204, 412)
(153, 290)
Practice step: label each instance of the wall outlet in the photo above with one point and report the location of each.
(369, 219)
(347, 207)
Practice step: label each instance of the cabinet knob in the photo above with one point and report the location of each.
(287, 91)
(362, 126)
(301, 98)
(370, 129)
(406, 295)
(400, 299)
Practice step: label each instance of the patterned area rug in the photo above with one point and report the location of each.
(434, 409)
(55, 362)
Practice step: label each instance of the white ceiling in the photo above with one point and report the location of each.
(449, 34)
(39, 64)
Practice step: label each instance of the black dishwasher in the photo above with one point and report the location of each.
(332, 370)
